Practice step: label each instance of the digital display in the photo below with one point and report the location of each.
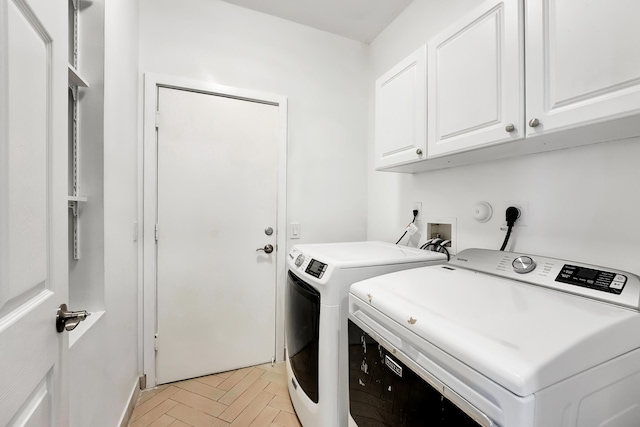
(586, 273)
(599, 280)
(315, 268)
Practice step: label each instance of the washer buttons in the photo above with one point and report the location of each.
(616, 285)
(620, 278)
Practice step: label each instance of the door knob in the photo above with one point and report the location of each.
(267, 248)
(510, 127)
(68, 320)
(534, 123)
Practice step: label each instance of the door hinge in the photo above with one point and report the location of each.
(155, 342)
(157, 119)
(156, 232)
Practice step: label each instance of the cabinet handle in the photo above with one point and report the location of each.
(534, 122)
(419, 152)
(510, 127)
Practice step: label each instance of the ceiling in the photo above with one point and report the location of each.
(359, 20)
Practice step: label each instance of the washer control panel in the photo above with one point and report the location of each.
(591, 281)
(600, 280)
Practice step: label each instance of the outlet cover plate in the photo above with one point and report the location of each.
(417, 206)
(523, 206)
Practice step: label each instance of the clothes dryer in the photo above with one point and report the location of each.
(318, 281)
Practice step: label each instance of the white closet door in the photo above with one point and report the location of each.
(33, 212)
(217, 194)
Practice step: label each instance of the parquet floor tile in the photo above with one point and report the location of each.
(249, 397)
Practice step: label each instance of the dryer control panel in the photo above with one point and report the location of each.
(305, 263)
(316, 268)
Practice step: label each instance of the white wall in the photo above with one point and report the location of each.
(104, 362)
(321, 74)
(584, 202)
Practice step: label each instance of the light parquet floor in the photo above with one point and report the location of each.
(250, 397)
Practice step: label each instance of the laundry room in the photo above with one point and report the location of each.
(343, 168)
(578, 199)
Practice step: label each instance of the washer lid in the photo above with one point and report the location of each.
(521, 336)
(366, 254)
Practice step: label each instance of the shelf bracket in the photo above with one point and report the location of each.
(74, 92)
(73, 205)
(75, 211)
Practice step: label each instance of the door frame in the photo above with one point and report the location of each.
(147, 187)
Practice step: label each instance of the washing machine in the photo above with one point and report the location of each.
(318, 281)
(496, 339)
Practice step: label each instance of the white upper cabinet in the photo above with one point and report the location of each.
(401, 112)
(580, 84)
(583, 62)
(476, 80)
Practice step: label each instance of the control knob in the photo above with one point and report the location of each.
(523, 264)
(299, 260)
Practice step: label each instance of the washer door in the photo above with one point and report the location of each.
(383, 391)
(302, 327)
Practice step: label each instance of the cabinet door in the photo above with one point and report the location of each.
(476, 80)
(583, 62)
(400, 119)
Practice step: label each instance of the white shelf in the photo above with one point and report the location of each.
(76, 199)
(75, 78)
(84, 327)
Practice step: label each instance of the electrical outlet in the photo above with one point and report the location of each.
(522, 206)
(417, 206)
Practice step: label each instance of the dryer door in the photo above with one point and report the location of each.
(302, 325)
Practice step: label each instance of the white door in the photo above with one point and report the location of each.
(476, 80)
(583, 62)
(217, 180)
(401, 112)
(33, 211)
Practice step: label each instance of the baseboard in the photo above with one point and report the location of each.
(133, 398)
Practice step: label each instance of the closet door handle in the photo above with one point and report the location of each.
(68, 320)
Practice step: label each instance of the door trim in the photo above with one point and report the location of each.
(147, 187)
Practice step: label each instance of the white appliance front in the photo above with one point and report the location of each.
(316, 306)
(554, 346)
